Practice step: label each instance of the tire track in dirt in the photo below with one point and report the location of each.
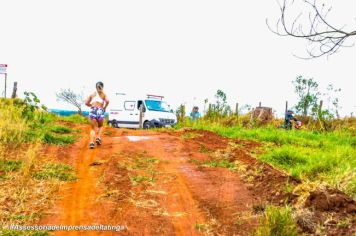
(192, 197)
(79, 196)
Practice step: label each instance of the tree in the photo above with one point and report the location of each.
(220, 108)
(307, 91)
(332, 100)
(323, 37)
(181, 113)
(69, 96)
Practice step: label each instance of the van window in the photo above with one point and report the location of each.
(130, 105)
(156, 105)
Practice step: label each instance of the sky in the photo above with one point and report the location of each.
(183, 50)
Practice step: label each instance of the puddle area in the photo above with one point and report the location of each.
(135, 138)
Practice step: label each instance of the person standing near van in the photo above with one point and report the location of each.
(98, 102)
(195, 114)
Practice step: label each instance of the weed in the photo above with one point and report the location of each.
(201, 227)
(56, 171)
(194, 161)
(277, 222)
(288, 188)
(10, 165)
(137, 179)
(57, 139)
(344, 223)
(203, 149)
(77, 119)
(61, 129)
(189, 135)
(108, 133)
(220, 163)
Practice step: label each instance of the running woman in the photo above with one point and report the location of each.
(98, 102)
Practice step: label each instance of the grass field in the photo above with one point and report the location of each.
(28, 178)
(324, 157)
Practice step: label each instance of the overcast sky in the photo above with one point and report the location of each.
(184, 50)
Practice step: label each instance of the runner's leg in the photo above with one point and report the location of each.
(92, 131)
(100, 127)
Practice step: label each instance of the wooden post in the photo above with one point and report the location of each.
(14, 91)
(237, 109)
(5, 84)
(260, 104)
(141, 117)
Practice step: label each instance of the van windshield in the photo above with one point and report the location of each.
(155, 105)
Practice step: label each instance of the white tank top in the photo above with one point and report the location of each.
(97, 98)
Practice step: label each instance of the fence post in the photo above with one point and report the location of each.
(237, 109)
(14, 91)
(141, 116)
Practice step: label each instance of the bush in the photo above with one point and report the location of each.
(12, 125)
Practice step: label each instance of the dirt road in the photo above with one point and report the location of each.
(162, 183)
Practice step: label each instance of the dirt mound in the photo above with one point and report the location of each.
(262, 114)
(330, 200)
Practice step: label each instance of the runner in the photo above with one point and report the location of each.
(98, 102)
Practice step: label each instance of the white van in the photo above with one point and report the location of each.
(126, 113)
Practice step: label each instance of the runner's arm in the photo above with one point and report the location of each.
(106, 102)
(88, 101)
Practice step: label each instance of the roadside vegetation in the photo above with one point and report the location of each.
(323, 151)
(321, 154)
(29, 178)
(307, 155)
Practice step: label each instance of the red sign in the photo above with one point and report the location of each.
(3, 68)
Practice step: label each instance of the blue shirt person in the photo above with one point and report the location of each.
(195, 114)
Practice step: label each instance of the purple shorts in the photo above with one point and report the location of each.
(97, 113)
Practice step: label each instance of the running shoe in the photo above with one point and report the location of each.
(91, 145)
(98, 141)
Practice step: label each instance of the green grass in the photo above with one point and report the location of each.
(61, 130)
(137, 179)
(61, 172)
(145, 162)
(314, 156)
(77, 119)
(201, 227)
(10, 165)
(58, 139)
(220, 163)
(277, 221)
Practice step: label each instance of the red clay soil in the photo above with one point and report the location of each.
(156, 183)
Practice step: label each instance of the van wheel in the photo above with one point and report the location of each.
(147, 125)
